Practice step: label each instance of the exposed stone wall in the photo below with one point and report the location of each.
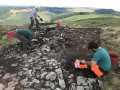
(44, 67)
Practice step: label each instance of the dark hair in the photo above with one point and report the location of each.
(93, 45)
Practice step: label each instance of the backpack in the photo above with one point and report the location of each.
(113, 57)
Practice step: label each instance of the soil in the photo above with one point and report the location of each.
(68, 43)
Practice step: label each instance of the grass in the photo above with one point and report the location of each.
(111, 82)
(4, 41)
(110, 39)
(24, 18)
(17, 19)
(96, 22)
(46, 15)
(7, 42)
(88, 16)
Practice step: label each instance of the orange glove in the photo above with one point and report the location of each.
(77, 64)
(83, 66)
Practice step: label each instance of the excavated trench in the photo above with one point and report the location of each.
(50, 62)
(71, 44)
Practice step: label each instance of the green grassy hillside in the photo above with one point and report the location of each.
(92, 20)
(21, 16)
(4, 13)
(99, 22)
(68, 16)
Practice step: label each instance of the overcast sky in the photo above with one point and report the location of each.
(108, 4)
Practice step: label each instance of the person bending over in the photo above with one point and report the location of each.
(25, 37)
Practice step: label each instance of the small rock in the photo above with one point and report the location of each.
(52, 85)
(13, 75)
(100, 83)
(24, 55)
(27, 65)
(47, 83)
(20, 73)
(28, 84)
(23, 81)
(30, 60)
(29, 89)
(25, 69)
(13, 65)
(91, 81)
(29, 72)
(80, 80)
(6, 76)
(12, 84)
(58, 89)
(43, 75)
(80, 88)
(62, 83)
(37, 67)
(10, 88)
(1, 86)
(35, 81)
(51, 76)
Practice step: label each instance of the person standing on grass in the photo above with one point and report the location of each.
(33, 18)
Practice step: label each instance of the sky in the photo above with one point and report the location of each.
(107, 4)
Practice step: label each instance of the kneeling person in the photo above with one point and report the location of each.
(100, 63)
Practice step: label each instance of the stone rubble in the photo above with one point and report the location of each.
(42, 68)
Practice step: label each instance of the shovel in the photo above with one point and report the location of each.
(41, 19)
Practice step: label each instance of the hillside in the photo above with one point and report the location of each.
(20, 15)
(46, 66)
(98, 21)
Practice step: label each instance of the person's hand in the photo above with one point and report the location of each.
(82, 61)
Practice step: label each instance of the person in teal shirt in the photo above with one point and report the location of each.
(102, 58)
(99, 65)
(25, 36)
